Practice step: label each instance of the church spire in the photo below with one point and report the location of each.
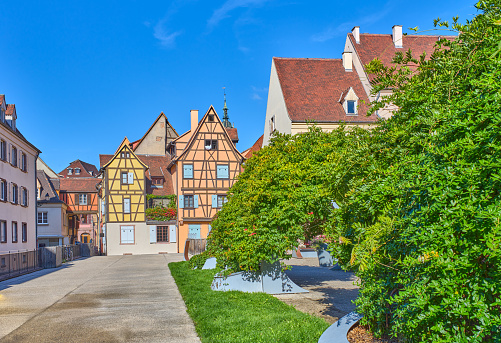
(226, 119)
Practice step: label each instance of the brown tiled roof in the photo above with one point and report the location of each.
(2, 99)
(157, 167)
(85, 169)
(312, 87)
(11, 108)
(381, 46)
(256, 147)
(233, 133)
(87, 184)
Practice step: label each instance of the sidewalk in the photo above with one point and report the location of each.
(97, 299)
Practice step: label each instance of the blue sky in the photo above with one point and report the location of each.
(84, 74)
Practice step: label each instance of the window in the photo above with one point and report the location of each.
(210, 117)
(77, 171)
(70, 171)
(82, 199)
(188, 171)
(194, 231)
(127, 178)
(24, 196)
(351, 107)
(222, 171)
(126, 205)
(188, 201)
(126, 234)
(83, 219)
(157, 182)
(23, 162)
(272, 124)
(163, 234)
(24, 232)
(14, 194)
(221, 200)
(13, 158)
(42, 218)
(14, 232)
(3, 190)
(211, 144)
(3, 150)
(3, 231)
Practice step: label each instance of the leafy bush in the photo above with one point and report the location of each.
(424, 228)
(161, 213)
(198, 261)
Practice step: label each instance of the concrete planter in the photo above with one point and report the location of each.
(337, 332)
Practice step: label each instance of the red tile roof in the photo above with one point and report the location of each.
(85, 169)
(381, 46)
(312, 88)
(256, 147)
(11, 109)
(157, 168)
(2, 99)
(232, 132)
(70, 185)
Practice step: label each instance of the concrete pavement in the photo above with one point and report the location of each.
(98, 299)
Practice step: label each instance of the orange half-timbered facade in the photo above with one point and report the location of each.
(205, 164)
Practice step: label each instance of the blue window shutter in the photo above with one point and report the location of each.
(153, 234)
(188, 171)
(194, 231)
(195, 201)
(181, 201)
(222, 172)
(214, 201)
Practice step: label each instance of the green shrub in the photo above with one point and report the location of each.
(198, 261)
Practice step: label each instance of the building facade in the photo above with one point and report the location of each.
(205, 164)
(18, 196)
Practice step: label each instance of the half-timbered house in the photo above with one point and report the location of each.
(205, 164)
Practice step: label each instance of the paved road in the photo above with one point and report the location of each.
(98, 299)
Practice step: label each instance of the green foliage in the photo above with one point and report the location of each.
(423, 228)
(171, 197)
(284, 196)
(228, 317)
(160, 213)
(198, 261)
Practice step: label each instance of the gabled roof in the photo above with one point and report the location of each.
(124, 145)
(381, 46)
(11, 109)
(311, 88)
(211, 110)
(2, 99)
(233, 133)
(85, 169)
(135, 144)
(48, 189)
(81, 184)
(254, 148)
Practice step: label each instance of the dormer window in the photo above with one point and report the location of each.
(77, 171)
(157, 182)
(349, 101)
(70, 171)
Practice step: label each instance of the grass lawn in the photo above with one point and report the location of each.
(241, 317)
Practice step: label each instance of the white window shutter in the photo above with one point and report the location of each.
(214, 201)
(195, 201)
(153, 234)
(181, 201)
(172, 233)
(126, 205)
(130, 178)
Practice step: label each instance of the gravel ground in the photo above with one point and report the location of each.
(331, 292)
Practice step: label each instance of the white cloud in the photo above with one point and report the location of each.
(256, 93)
(341, 29)
(223, 12)
(167, 38)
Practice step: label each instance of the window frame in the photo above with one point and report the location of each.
(354, 102)
(4, 191)
(15, 194)
(24, 165)
(3, 150)
(13, 157)
(212, 142)
(44, 218)
(80, 203)
(3, 231)
(221, 200)
(187, 201)
(24, 197)
(24, 232)
(163, 237)
(77, 171)
(70, 171)
(14, 232)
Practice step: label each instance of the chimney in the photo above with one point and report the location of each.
(356, 33)
(397, 36)
(194, 120)
(347, 61)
